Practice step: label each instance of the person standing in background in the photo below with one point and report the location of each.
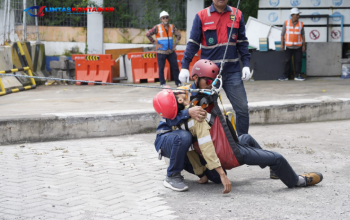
(165, 48)
(293, 37)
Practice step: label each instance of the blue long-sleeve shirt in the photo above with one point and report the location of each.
(165, 125)
(238, 44)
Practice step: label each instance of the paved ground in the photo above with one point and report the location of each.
(78, 99)
(121, 178)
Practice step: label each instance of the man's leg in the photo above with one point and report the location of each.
(175, 145)
(298, 59)
(235, 91)
(212, 175)
(172, 58)
(288, 56)
(161, 63)
(280, 166)
(254, 156)
(248, 141)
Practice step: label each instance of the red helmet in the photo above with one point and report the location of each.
(165, 104)
(205, 68)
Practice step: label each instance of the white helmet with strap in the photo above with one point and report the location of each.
(295, 11)
(163, 13)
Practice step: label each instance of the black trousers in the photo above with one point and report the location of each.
(298, 57)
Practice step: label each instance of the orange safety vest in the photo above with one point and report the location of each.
(165, 38)
(293, 34)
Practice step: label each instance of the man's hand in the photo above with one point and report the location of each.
(197, 113)
(227, 184)
(184, 75)
(282, 47)
(224, 180)
(303, 48)
(174, 47)
(158, 46)
(245, 73)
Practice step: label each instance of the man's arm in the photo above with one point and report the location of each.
(242, 44)
(282, 36)
(202, 132)
(177, 35)
(149, 35)
(193, 43)
(197, 113)
(303, 37)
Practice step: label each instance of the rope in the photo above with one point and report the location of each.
(105, 83)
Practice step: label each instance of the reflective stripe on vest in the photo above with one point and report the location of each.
(163, 38)
(293, 34)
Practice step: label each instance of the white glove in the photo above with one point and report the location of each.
(245, 73)
(184, 75)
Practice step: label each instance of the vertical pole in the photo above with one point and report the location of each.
(24, 21)
(36, 24)
(193, 6)
(327, 27)
(8, 18)
(5, 20)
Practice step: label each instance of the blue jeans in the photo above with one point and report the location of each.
(174, 145)
(263, 158)
(253, 154)
(172, 58)
(235, 92)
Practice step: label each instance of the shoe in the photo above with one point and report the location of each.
(299, 78)
(179, 85)
(283, 78)
(163, 85)
(312, 178)
(175, 182)
(273, 175)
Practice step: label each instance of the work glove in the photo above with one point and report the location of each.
(184, 75)
(245, 73)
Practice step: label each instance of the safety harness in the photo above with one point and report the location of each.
(222, 131)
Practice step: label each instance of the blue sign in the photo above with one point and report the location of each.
(274, 3)
(273, 17)
(315, 19)
(337, 2)
(295, 3)
(336, 18)
(316, 3)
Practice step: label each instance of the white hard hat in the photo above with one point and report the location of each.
(295, 11)
(163, 13)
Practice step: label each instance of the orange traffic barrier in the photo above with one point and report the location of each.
(180, 54)
(93, 67)
(145, 66)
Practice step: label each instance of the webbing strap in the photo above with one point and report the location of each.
(227, 131)
(222, 104)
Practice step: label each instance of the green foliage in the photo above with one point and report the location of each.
(248, 7)
(86, 48)
(63, 19)
(144, 14)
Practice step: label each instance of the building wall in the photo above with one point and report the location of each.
(78, 34)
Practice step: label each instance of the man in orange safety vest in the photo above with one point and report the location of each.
(165, 47)
(293, 37)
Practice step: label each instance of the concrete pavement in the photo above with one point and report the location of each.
(121, 178)
(69, 112)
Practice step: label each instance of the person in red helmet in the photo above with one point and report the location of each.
(244, 151)
(168, 104)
